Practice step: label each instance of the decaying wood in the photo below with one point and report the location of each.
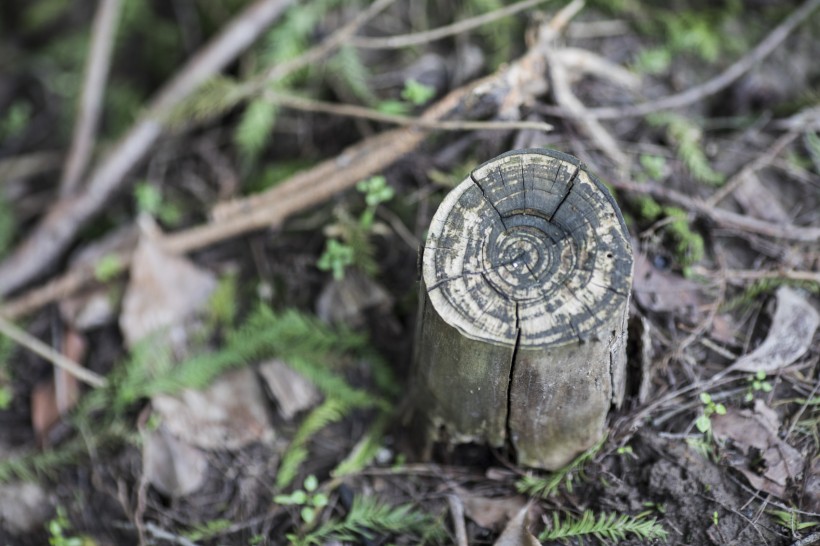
(526, 278)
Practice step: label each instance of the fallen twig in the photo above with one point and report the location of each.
(91, 101)
(809, 234)
(755, 275)
(352, 110)
(60, 225)
(419, 38)
(36, 346)
(710, 87)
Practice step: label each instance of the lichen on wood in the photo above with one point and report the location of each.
(526, 277)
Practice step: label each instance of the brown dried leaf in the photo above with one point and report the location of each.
(174, 467)
(293, 393)
(665, 291)
(790, 336)
(164, 292)
(754, 434)
(229, 414)
(516, 533)
(490, 513)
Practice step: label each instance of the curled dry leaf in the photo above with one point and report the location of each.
(164, 292)
(790, 336)
(517, 532)
(174, 467)
(229, 414)
(769, 463)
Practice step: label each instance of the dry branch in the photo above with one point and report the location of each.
(808, 234)
(91, 101)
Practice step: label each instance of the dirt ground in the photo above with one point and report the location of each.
(209, 266)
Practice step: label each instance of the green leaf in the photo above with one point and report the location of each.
(311, 483)
(107, 268)
(720, 409)
(308, 514)
(148, 197)
(706, 398)
(417, 93)
(703, 424)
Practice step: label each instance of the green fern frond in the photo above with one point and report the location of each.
(605, 527)
(366, 449)
(330, 411)
(368, 516)
(545, 486)
(255, 127)
(347, 67)
(215, 97)
(687, 137)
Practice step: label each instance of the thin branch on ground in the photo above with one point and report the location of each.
(55, 232)
(97, 66)
(710, 87)
(457, 513)
(23, 338)
(352, 110)
(808, 234)
(594, 130)
(427, 36)
(755, 275)
(750, 168)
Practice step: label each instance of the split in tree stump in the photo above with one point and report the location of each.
(526, 278)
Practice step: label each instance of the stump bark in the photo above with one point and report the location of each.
(526, 279)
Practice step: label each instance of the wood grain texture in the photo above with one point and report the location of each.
(526, 278)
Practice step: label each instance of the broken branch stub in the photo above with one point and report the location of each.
(526, 278)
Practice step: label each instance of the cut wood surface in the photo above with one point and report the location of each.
(526, 277)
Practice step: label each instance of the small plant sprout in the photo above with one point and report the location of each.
(376, 191)
(790, 520)
(757, 383)
(715, 519)
(624, 450)
(309, 498)
(336, 258)
(704, 422)
(417, 93)
(57, 529)
(150, 201)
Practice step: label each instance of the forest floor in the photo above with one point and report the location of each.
(210, 221)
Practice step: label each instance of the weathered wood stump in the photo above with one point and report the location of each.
(526, 278)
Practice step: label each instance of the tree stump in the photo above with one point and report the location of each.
(526, 278)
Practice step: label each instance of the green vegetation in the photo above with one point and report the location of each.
(604, 527)
(150, 201)
(757, 383)
(355, 246)
(308, 498)
(710, 408)
(687, 138)
(546, 486)
(58, 528)
(369, 516)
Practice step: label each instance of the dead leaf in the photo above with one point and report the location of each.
(811, 492)
(516, 533)
(664, 291)
(488, 512)
(292, 392)
(793, 325)
(228, 414)
(769, 463)
(164, 292)
(55, 397)
(172, 466)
